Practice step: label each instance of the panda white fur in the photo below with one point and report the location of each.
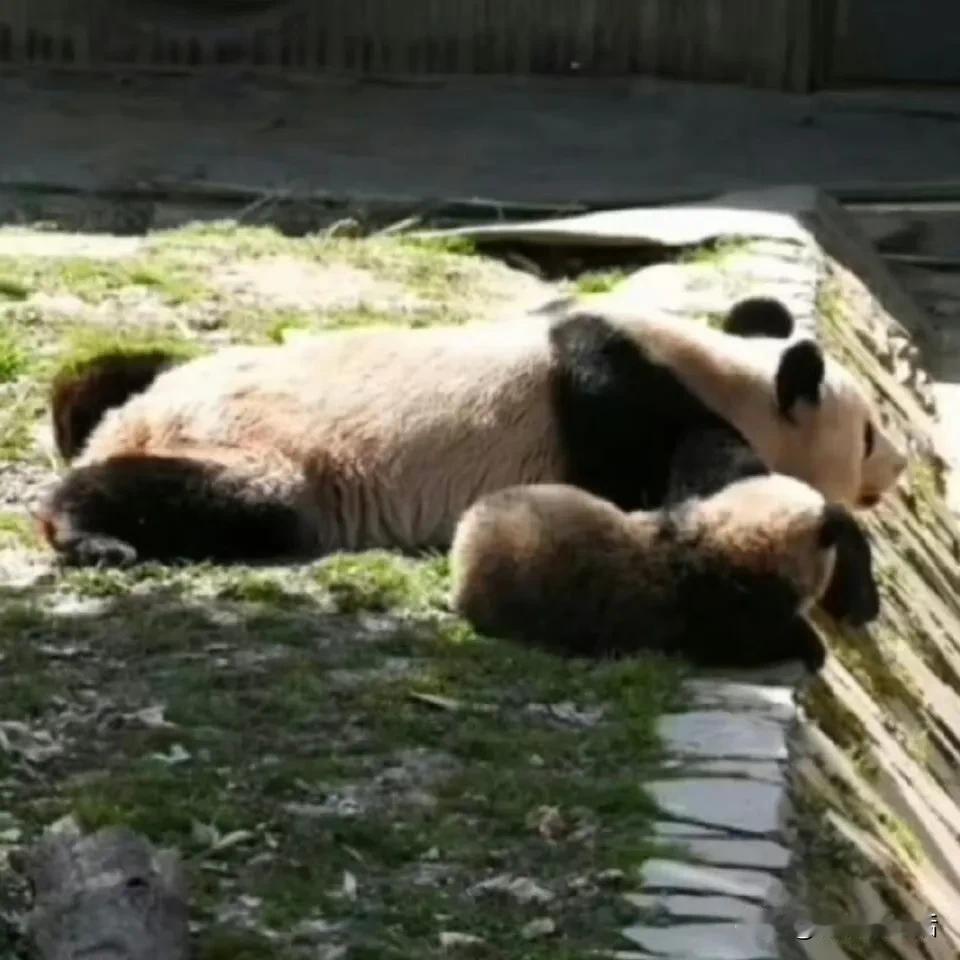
(382, 438)
(724, 580)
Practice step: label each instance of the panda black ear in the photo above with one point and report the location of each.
(759, 317)
(799, 376)
(837, 524)
(852, 593)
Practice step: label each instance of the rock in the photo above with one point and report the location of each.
(522, 889)
(763, 854)
(778, 701)
(451, 939)
(708, 941)
(672, 875)
(766, 771)
(720, 733)
(535, 929)
(682, 905)
(744, 805)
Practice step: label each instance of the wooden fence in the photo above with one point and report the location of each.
(759, 42)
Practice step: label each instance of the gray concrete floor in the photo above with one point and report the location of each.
(535, 140)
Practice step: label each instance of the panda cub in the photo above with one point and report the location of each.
(724, 580)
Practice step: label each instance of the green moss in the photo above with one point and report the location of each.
(255, 588)
(224, 236)
(17, 529)
(600, 282)
(18, 417)
(902, 836)
(14, 360)
(380, 581)
(458, 245)
(837, 722)
(719, 254)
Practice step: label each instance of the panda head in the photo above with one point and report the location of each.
(780, 523)
(832, 436)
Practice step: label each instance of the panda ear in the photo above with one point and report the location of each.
(852, 593)
(759, 317)
(836, 524)
(799, 376)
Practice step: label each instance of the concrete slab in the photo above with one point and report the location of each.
(544, 139)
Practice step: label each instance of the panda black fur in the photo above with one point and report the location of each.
(724, 581)
(383, 438)
(81, 395)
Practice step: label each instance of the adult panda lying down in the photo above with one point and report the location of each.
(724, 580)
(382, 438)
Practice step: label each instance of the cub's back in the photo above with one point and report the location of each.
(551, 564)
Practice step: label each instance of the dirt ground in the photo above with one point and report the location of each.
(347, 770)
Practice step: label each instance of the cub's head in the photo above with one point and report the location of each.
(779, 523)
(826, 431)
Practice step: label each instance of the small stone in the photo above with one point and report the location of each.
(314, 931)
(611, 877)
(549, 823)
(451, 939)
(522, 889)
(535, 929)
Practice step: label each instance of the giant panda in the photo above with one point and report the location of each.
(724, 580)
(382, 438)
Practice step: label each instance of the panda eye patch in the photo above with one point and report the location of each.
(869, 438)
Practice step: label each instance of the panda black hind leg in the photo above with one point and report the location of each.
(166, 507)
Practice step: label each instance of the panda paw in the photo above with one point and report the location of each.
(97, 551)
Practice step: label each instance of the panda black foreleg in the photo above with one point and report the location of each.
(133, 508)
(756, 643)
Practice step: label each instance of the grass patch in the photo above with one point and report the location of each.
(174, 282)
(81, 345)
(263, 734)
(600, 282)
(441, 271)
(14, 360)
(287, 325)
(378, 581)
(17, 530)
